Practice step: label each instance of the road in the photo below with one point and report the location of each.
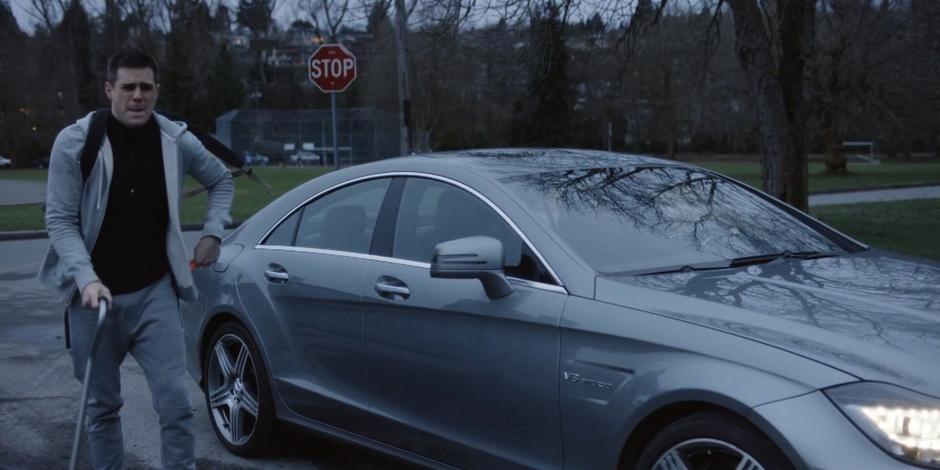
(39, 394)
(21, 192)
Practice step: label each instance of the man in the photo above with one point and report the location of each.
(116, 235)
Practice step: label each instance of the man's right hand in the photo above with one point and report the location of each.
(94, 291)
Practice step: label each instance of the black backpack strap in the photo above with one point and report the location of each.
(220, 150)
(68, 335)
(93, 141)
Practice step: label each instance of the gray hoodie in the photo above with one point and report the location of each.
(74, 211)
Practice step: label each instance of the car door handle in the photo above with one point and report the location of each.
(276, 273)
(389, 289)
(392, 288)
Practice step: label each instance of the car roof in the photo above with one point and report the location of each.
(508, 162)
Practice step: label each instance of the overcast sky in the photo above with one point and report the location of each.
(18, 7)
(21, 10)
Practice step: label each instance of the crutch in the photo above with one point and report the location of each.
(80, 426)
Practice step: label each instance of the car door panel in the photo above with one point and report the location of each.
(317, 362)
(459, 377)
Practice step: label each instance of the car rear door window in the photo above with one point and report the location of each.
(343, 220)
(283, 235)
(433, 212)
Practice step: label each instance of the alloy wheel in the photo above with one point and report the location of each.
(704, 453)
(232, 389)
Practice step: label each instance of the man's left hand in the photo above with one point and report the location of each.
(207, 251)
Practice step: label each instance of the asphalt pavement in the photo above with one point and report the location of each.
(21, 192)
(39, 393)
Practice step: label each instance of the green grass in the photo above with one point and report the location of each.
(24, 175)
(860, 177)
(21, 217)
(249, 197)
(909, 227)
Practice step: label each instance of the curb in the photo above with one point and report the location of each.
(38, 234)
(23, 235)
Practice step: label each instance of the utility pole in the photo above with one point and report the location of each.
(404, 91)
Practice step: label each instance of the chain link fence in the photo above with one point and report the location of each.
(305, 137)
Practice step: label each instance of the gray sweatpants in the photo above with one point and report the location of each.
(145, 323)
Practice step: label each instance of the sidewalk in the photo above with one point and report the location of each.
(875, 195)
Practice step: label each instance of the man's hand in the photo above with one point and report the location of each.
(207, 251)
(94, 291)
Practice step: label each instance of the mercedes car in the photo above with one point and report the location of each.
(549, 308)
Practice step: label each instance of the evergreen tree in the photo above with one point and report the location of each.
(13, 127)
(177, 90)
(9, 29)
(225, 89)
(222, 21)
(76, 33)
(183, 88)
(113, 28)
(256, 16)
(112, 37)
(644, 12)
(549, 106)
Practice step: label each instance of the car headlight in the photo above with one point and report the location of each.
(905, 424)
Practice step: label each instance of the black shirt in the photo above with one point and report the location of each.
(130, 252)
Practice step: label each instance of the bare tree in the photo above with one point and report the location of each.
(327, 16)
(857, 43)
(47, 13)
(774, 41)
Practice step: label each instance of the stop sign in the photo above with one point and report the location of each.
(332, 68)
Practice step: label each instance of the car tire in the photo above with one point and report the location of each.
(238, 398)
(712, 440)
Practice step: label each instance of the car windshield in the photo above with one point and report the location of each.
(644, 219)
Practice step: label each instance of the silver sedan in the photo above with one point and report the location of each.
(566, 309)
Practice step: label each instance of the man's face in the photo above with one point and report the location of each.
(133, 96)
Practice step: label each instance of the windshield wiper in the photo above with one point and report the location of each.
(724, 264)
(677, 268)
(762, 259)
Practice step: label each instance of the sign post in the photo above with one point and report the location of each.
(332, 68)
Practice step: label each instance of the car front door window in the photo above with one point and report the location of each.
(433, 212)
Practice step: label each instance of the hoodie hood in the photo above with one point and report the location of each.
(173, 129)
(873, 315)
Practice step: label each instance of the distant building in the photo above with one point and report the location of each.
(294, 46)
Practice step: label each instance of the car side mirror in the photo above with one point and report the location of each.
(473, 258)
